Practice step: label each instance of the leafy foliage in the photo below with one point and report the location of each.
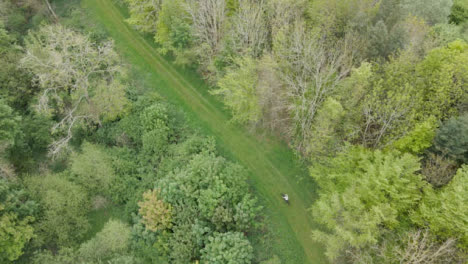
(362, 193)
(227, 248)
(445, 211)
(459, 12)
(17, 214)
(92, 169)
(64, 208)
(238, 90)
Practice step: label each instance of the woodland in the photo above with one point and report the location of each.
(98, 166)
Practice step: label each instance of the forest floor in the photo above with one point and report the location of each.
(273, 166)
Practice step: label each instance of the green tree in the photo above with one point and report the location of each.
(418, 139)
(174, 31)
(92, 169)
(17, 214)
(228, 248)
(445, 211)
(144, 14)
(238, 89)
(363, 192)
(31, 144)
(65, 206)
(459, 12)
(215, 188)
(326, 139)
(443, 77)
(391, 103)
(452, 138)
(14, 235)
(157, 132)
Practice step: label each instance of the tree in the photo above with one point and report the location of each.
(174, 31)
(17, 214)
(391, 100)
(228, 248)
(412, 246)
(14, 235)
(156, 214)
(112, 241)
(433, 11)
(311, 70)
(215, 188)
(144, 14)
(452, 139)
(418, 139)
(79, 79)
(92, 169)
(443, 79)
(325, 137)
(420, 246)
(31, 144)
(249, 30)
(208, 28)
(157, 131)
(65, 207)
(445, 211)
(362, 193)
(238, 88)
(459, 12)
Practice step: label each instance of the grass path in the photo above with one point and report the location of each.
(273, 167)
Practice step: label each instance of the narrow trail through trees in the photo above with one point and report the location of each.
(274, 169)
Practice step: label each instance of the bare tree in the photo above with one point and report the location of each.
(249, 27)
(414, 247)
(421, 248)
(71, 70)
(283, 12)
(311, 70)
(208, 22)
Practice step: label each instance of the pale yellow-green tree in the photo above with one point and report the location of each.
(239, 90)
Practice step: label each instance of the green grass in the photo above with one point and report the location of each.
(274, 168)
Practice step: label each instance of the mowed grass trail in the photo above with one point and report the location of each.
(273, 167)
